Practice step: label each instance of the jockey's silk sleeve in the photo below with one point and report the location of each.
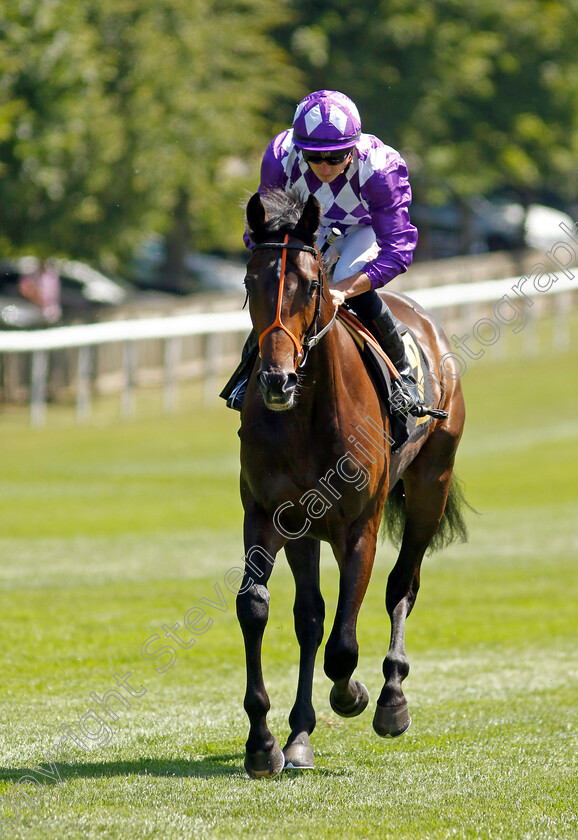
(374, 190)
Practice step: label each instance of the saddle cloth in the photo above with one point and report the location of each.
(405, 428)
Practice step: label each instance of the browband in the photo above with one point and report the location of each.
(293, 246)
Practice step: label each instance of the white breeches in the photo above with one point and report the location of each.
(352, 250)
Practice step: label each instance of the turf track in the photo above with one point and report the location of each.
(111, 531)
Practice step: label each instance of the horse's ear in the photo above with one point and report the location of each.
(311, 216)
(256, 216)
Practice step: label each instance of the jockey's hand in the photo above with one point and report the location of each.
(337, 296)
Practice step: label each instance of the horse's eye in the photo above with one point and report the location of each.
(313, 288)
(249, 284)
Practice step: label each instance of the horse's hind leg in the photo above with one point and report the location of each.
(425, 501)
(309, 613)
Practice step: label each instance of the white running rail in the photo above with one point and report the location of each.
(171, 328)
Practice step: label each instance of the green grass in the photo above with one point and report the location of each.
(111, 531)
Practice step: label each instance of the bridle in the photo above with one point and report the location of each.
(311, 338)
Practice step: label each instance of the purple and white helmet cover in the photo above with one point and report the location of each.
(326, 120)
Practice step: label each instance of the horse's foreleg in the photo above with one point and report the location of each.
(425, 502)
(309, 613)
(263, 757)
(355, 558)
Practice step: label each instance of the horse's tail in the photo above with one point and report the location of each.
(452, 527)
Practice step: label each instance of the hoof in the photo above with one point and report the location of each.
(264, 764)
(358, 706)
(391, 721)
(299, 757)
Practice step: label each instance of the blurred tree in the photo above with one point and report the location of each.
(120, 116)
(477, 95)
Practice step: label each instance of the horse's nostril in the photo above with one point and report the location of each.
(277, 384)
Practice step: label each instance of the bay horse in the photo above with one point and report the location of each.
(303, 480)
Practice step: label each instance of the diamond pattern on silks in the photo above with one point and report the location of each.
(339, 202)
(338, 118)
(313, 119)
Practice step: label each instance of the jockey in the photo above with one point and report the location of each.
(363, 189)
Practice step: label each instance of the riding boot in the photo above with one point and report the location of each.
(234, 390)
(406, 398)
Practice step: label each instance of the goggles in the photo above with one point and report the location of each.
(333, 159)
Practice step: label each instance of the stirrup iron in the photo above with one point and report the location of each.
(403, 402)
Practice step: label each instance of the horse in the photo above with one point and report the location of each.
(307, 476)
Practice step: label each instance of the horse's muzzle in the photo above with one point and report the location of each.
(278, 388)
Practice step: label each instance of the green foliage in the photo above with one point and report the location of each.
(478, 95)
(123, 116)
(109, 110)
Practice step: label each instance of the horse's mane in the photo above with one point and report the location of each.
(283, 211)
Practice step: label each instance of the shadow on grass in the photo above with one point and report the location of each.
(227, 764)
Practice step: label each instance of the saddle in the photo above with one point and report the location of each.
(405, 428)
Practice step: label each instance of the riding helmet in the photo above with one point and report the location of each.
(326, 120)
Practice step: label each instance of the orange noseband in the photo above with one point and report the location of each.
(278, 323)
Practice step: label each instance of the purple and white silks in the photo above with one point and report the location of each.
(374, 190)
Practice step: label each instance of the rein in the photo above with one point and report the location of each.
(309, 341)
